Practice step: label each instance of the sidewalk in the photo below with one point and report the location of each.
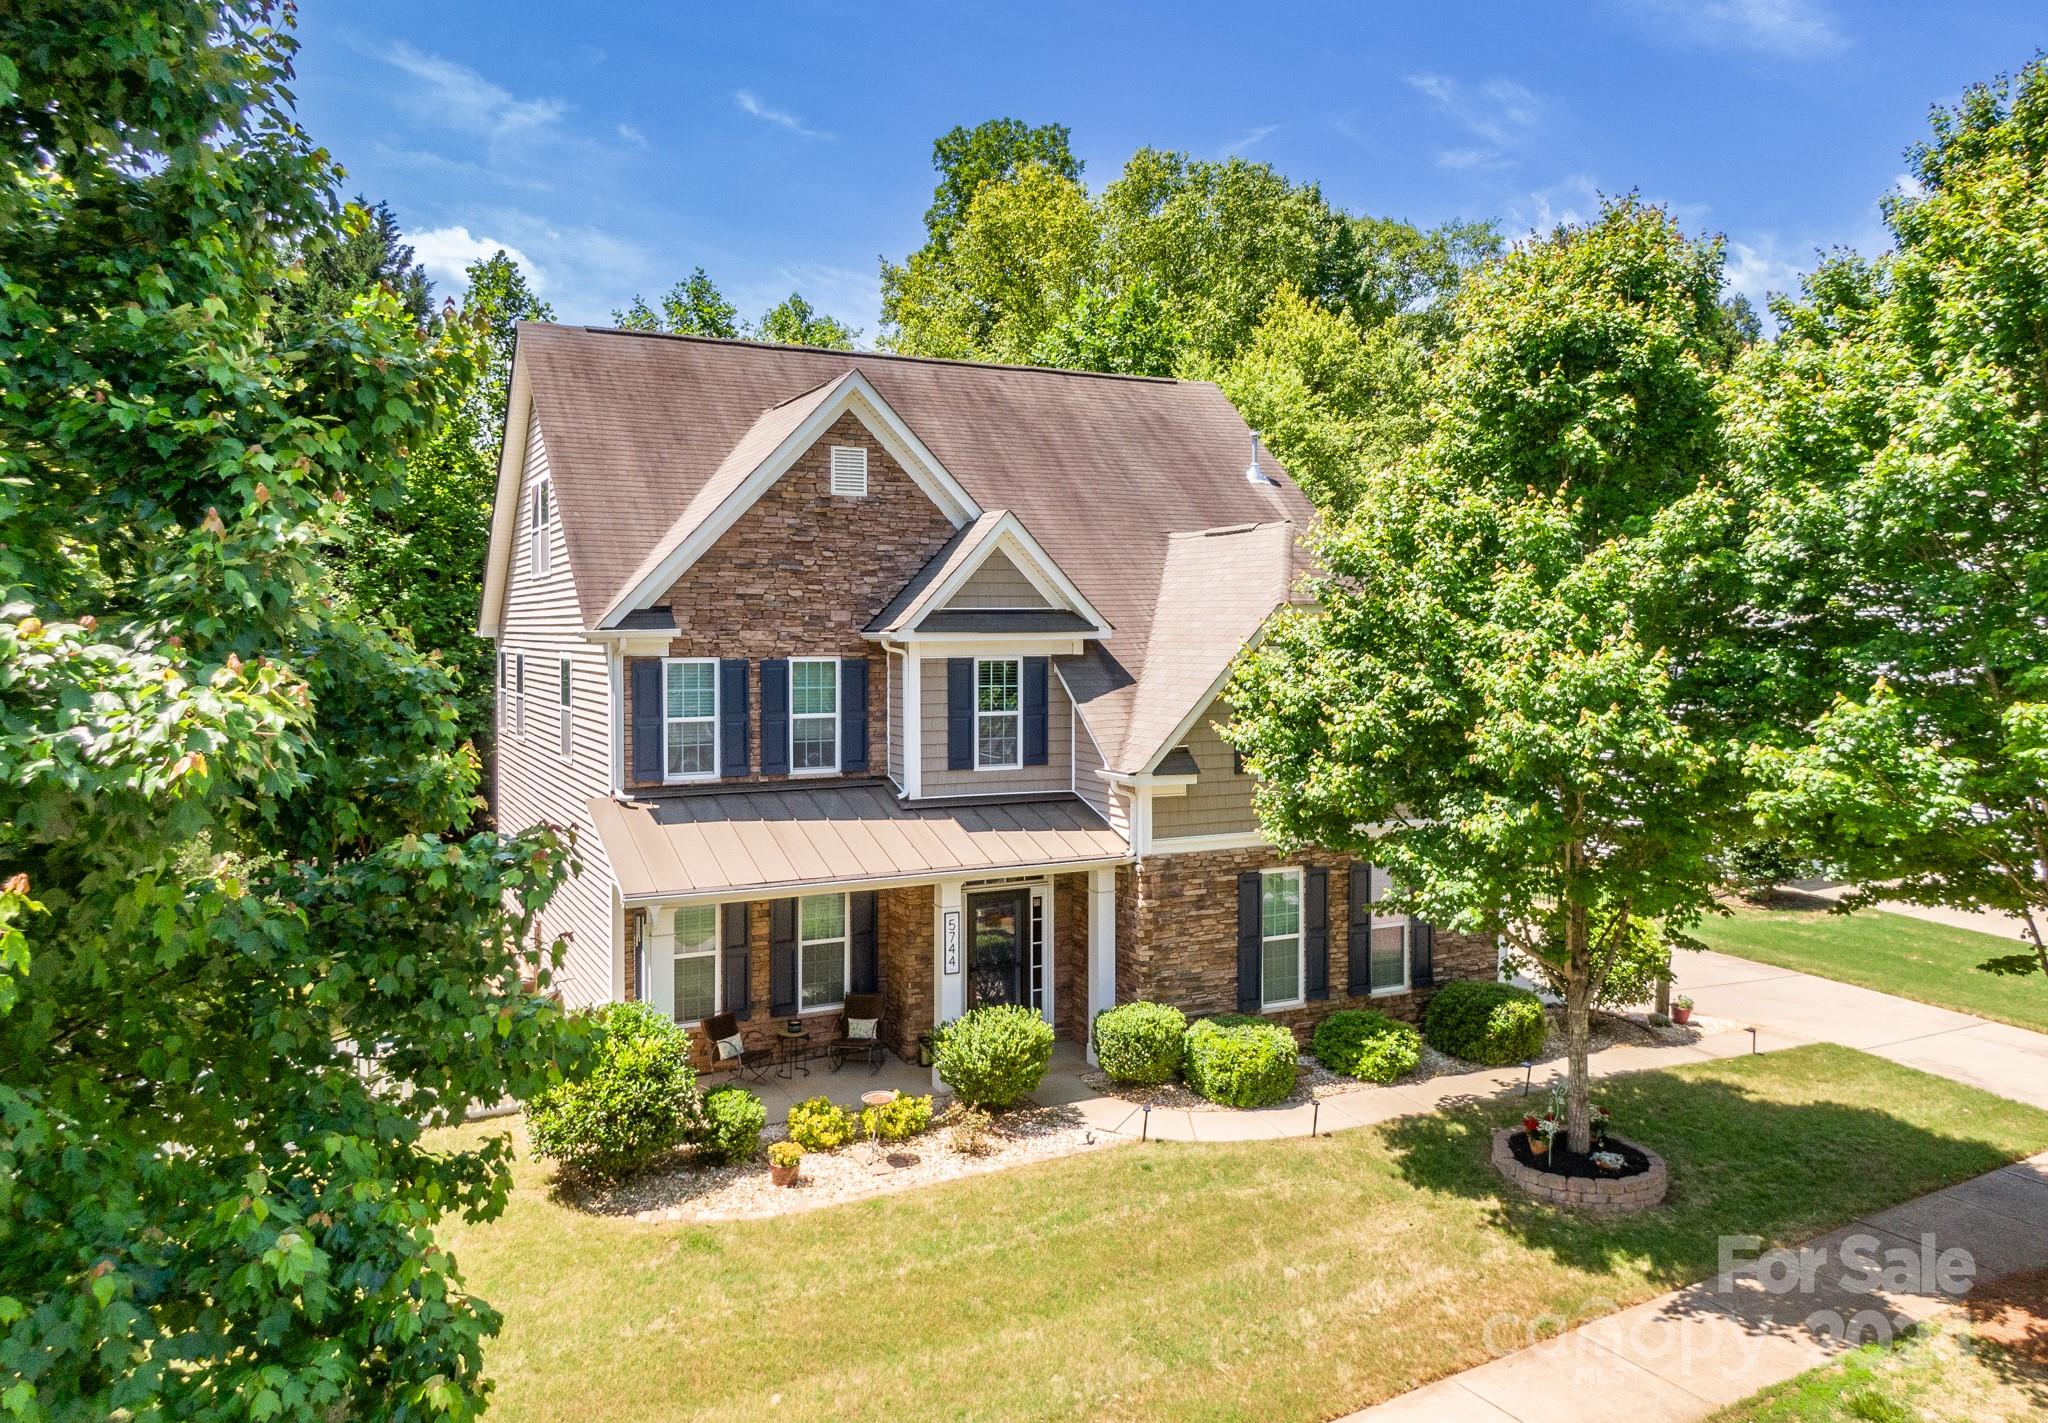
(1683, 1355)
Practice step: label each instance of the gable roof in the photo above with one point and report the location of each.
(964, 554)
(1103, 470)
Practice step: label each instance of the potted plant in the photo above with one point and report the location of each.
(1529, 1121)
(1681, 1009)
(1609, 1162)
(1547, 1128)
(783, 1159)
(1599, 1119)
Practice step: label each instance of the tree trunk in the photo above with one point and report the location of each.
(1578, 1030)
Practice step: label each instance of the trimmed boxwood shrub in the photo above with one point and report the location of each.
(1141, 1042)
(633, 1102)
(994, 1056)
(1492, 1024)
(1367, 1045)
(1240, 1062)
(820, 1124)
(733, 1118)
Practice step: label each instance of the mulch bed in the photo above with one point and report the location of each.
(1561, 1160)
(2012, 1313)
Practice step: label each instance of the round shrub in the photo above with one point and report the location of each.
(633, 1102)
(733, 1118)
(994, 1056)
(1245, 1063)
(820, 1124)
(899, 1120)
(1141, 1042)
(1492, 1024)
(1366, 1045)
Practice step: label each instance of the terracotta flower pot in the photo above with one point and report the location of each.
(1681, 1016)
(1538, 1146)
(783, 1175)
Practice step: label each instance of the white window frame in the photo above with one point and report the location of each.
(565, 691)
(849, 455)
(845, 942)
(717, 750)
(837, 750)
(1300, 937)
(1380, 887)
(980, 715)
(713, 950)
(540, 524)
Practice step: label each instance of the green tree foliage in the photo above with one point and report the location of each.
(1894, 442)
(693, 307)
(364, 250)
(1128, 332)
(995, 151)
(795, 322)
(1496, 668)
(244, 957)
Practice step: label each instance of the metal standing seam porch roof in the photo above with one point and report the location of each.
(777, 840)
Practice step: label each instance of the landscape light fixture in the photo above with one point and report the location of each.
(1528, 1069)
(1145, 1127)
(1315, 1118)
(1752, 1042)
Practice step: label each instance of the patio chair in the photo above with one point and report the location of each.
(755, 1056)
(859, 1005)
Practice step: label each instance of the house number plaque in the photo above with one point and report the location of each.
(952, 941)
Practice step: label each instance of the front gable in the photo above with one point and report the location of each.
(998, 583)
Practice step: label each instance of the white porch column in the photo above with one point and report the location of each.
(1101, 947)
(661, 959)
(913, 724)
(949, 989)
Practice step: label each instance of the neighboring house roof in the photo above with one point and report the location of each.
(651, 439)
(784, 838)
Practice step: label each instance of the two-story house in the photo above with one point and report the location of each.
(866, 673)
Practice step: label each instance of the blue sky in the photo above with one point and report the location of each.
(787, 147)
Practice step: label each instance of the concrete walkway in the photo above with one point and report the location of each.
(1681, 1356)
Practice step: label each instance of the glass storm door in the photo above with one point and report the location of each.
(1000, 924)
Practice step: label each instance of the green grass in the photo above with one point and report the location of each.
(1934, 1375)
(1268, 1280)
(1931, 963)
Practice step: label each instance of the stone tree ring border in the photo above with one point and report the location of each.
(1595, 1195)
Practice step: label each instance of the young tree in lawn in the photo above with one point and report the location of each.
(1894, 443)
(245, 960)
(1492, 697)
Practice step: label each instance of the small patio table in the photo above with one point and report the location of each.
(793, 1050)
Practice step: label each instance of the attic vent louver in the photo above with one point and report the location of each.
(849, 471)
(1254, 474)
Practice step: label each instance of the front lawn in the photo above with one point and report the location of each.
(1932, 963)
(1269, 1280)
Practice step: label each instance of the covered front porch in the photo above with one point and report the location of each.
(806, 914)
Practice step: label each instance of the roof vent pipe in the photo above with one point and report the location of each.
(1254, 474)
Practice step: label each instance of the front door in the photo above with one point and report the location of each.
(1000, 923)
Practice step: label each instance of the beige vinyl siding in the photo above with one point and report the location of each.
(998, 583)
(894, 762)
(535, 782)
(1220, 800)
(1089, 783)
(1055, 775)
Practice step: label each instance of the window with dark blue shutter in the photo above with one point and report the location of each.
(1421, 955)
(1315, 920)
(781, 954)
(865, 954)
(853, 718)
(733, 758)
(1358, 931)
(647, 719)
(1250, 943)
(959, 713)
(739, 979)
(775, 717)
(1037, 680)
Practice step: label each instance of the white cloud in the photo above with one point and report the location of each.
(461, 98)
(1250, 138)
(1758, 269)
(1500, 113)
(1460, 160)
(445, 251)
(1570, 200)
(632, 135)
(853, 295)
(1791, 29)
(781, 118)
(1908, 186)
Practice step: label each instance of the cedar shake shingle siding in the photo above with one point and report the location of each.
(1220, 800)
(1055, 775)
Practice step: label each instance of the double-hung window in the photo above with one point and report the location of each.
(691, 709)
(998, 714)
(519, 693)
(696, 962)
(1391, 934)
(821, 951)
(1280, 952)
(813, 714)
(539, 529)
(565, 730)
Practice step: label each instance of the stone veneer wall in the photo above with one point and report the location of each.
(1070, 957)
(1185, 930)
(904, 940)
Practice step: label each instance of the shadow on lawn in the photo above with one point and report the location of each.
(1741, 1164)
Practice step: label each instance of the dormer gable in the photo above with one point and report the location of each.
(992, 578)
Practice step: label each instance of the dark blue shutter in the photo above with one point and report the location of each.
(739, 976)
(866, 960)
(1315, 918)
(1250, 941)
(649, 759)
(1358, 932)
(853, 716)
(732, 717)
(1037, 674)
(775, 718)
(782, 956)
(959, 713)
(1421, 953)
